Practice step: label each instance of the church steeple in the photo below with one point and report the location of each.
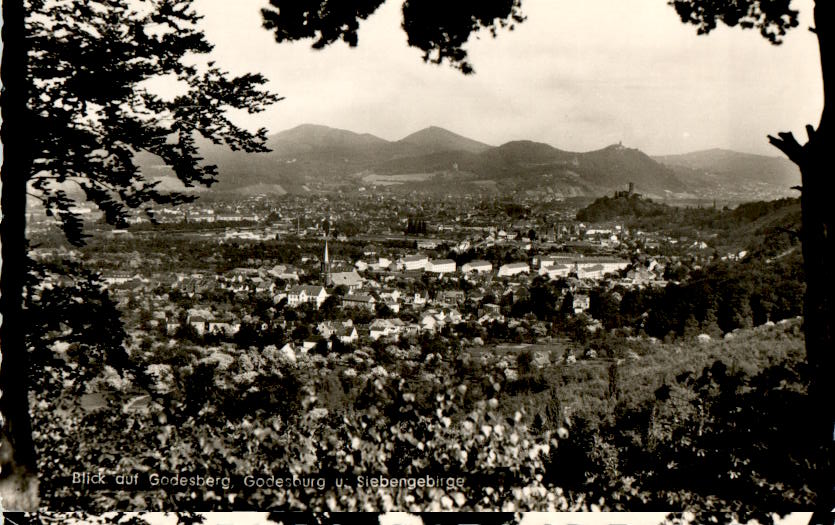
(326, 267)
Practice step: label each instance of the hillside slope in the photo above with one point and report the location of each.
(720, 171)
(434, 160)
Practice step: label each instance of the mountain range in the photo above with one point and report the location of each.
(314, 158)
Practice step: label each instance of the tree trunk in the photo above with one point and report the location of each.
(815, 162)
(819, 257)
(819, 263)
(18, 480)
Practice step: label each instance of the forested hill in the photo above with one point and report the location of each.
(622, 207)
(315, 158)
(766, 228)
(636, 209)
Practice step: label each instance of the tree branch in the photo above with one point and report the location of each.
(40, 198)
(789, 146)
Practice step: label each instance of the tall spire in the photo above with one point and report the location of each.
(326, 266)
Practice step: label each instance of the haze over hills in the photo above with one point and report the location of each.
(435, 160)
(732, 171)
(312, 138)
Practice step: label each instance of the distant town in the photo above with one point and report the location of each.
(375, 268)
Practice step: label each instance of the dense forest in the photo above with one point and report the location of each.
(749, 224)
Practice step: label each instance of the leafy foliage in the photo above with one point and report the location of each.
(439, 29)
(719, 430)
(66, 306)
(90, 64)
(434, 410)
(771, 17)
(324, 20)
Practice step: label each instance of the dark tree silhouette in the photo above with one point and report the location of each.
(76, 111)
(442, 29)
(814, 158)
(439, 29)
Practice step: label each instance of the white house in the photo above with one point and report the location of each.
(477, 266)
(430, 322)
(414, 262)
(283, 271)
(390, 295)
(345, 331)
(348, 334)
(359, 300)
(287, 353)
(418, 299)
(510, 269)
(590, 271)
(385, 328)
(451, 315)
(581, 303)
(391, 298)
(491, 317)
(441, 266)
(351, 280)
(547, 261)
(427, 245)
(597, 267)
(199, 323)
(554, 271)
(311, 342)
(306, 294)
(224, 326)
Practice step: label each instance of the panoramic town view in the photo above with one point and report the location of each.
(398, 311)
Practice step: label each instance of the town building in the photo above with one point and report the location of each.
(301, 294)
(477, 266)
(581, 303)
(351, 280)
(511, 269)
(359, 300)
(555, 271)
(414, 262)
(441, 266)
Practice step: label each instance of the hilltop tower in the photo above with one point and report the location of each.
(325, 270)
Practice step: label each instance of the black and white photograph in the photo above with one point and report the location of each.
(473, 261)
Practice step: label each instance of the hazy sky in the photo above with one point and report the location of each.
(576, 74)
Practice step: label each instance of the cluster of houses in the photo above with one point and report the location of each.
(551, 266)
(370, 286)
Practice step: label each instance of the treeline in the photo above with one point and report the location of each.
(767, 227)
(415, 226)
(640, 212)
(714, 300)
